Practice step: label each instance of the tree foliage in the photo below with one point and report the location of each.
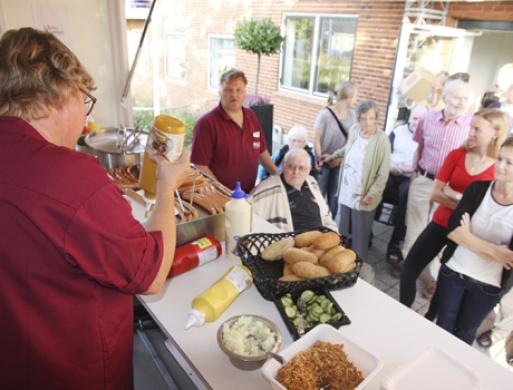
(258, 36)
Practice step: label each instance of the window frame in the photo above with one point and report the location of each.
(166, 34)
(210, 54)
(317, 18)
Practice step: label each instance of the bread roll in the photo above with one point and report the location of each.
(296, 255)
(305, 239)
(316, 252)
(328, 255)
(309, 270)
(287, 269)
(290, 278)
(339, 263)
(351, 267)
(276, 249)
(326, 240)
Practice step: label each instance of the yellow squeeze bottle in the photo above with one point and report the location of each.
(211, 303)
(166, 138)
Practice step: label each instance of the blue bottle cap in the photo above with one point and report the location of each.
(238, 193)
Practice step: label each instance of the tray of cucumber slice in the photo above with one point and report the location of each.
(321, 308)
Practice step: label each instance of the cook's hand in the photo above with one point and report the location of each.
(324, 158)
(367, 200)
(172, 174)
(465, 222)
(335, 163)
(504, 255)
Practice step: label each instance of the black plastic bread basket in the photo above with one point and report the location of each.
(266, 273)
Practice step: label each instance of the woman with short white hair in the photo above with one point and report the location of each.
(298, 138)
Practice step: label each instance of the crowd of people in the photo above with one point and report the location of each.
(449, 171)
(424, 168)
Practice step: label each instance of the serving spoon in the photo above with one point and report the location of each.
(275, 356)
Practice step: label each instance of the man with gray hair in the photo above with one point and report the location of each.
(292, 201)
(438, 132)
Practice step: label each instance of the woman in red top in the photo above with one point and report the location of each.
(474, 161)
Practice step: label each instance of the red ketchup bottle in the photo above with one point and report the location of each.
(196, 253)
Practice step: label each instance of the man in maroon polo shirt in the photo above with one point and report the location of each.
(228, 142)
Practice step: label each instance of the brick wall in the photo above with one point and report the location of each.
(493, 10)
(374, 55)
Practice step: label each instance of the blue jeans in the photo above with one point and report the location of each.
(463, 305)
(328, 183)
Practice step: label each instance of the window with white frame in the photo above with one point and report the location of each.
(222, 58)
(317, 53)
(175, 55)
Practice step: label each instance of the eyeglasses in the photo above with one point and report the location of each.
(297, 141)
(89, 102)
(301, 168)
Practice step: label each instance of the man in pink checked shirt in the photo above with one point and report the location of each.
(437, 134)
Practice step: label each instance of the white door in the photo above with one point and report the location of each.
(435, 48)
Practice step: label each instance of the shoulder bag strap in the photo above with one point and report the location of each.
(338, 121)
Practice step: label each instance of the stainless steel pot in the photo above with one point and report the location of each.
(83, 147)
(117, 147)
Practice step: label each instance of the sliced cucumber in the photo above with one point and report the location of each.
(290, 311)
(336, 317)
(324, 317)
(287, 301)
(307, 295)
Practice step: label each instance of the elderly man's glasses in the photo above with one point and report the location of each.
(89, 102)
(301, 168)
(297, 141)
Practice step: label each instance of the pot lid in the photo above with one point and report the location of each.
(118, 141)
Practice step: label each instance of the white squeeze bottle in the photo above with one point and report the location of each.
(238, 222)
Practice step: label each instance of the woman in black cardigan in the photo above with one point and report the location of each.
(478, 260)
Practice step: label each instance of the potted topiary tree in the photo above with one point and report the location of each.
(260, 37)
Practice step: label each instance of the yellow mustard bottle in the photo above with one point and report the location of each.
(166, 138)
(211, 303)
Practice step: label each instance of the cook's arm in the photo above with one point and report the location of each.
(162, 218)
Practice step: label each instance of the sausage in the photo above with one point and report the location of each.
(199, 200)
(223, 189)
(129, 176)
(210, 200)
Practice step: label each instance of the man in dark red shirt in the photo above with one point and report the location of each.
(228, 142)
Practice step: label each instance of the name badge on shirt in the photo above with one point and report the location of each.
(256, 134)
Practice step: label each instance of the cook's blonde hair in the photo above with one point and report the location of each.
(499, 122)
(37, 72)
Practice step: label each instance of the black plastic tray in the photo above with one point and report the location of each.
(318, 291)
